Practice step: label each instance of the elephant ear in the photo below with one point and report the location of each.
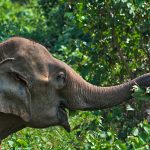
(14, 92)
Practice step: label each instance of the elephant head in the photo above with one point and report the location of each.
(35, 88)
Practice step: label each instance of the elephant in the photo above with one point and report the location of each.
(36, 88)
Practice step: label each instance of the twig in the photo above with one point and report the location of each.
(7, 59)
(116, 46)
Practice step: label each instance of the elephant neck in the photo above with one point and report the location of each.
(9, 124)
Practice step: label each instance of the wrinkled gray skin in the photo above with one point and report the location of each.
(36, 87)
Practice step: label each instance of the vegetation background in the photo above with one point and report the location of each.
(107, 42)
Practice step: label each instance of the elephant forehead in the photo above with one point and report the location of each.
(30, 58)
(33, 64)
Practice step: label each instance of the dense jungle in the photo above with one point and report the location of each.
(107, 42)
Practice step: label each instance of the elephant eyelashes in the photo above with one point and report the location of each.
(60, 80)
(61, 77)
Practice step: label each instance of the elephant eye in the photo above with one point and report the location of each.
(60, 80)
(61, 76)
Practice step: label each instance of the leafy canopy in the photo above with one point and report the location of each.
(108, 43)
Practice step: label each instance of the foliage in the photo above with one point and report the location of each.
(107, 42)
(88, 132)
(141, 94)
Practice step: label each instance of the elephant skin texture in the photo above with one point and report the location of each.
(35, 88)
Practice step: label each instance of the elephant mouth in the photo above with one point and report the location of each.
(63, 117)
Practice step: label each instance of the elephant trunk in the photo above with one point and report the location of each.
(85, 96)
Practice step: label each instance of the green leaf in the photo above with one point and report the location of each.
(135, 132)
(148, 90)
(22, 142)
(140, 94)
(137, 89)
(129, 108)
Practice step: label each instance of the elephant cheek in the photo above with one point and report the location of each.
(63, 120)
